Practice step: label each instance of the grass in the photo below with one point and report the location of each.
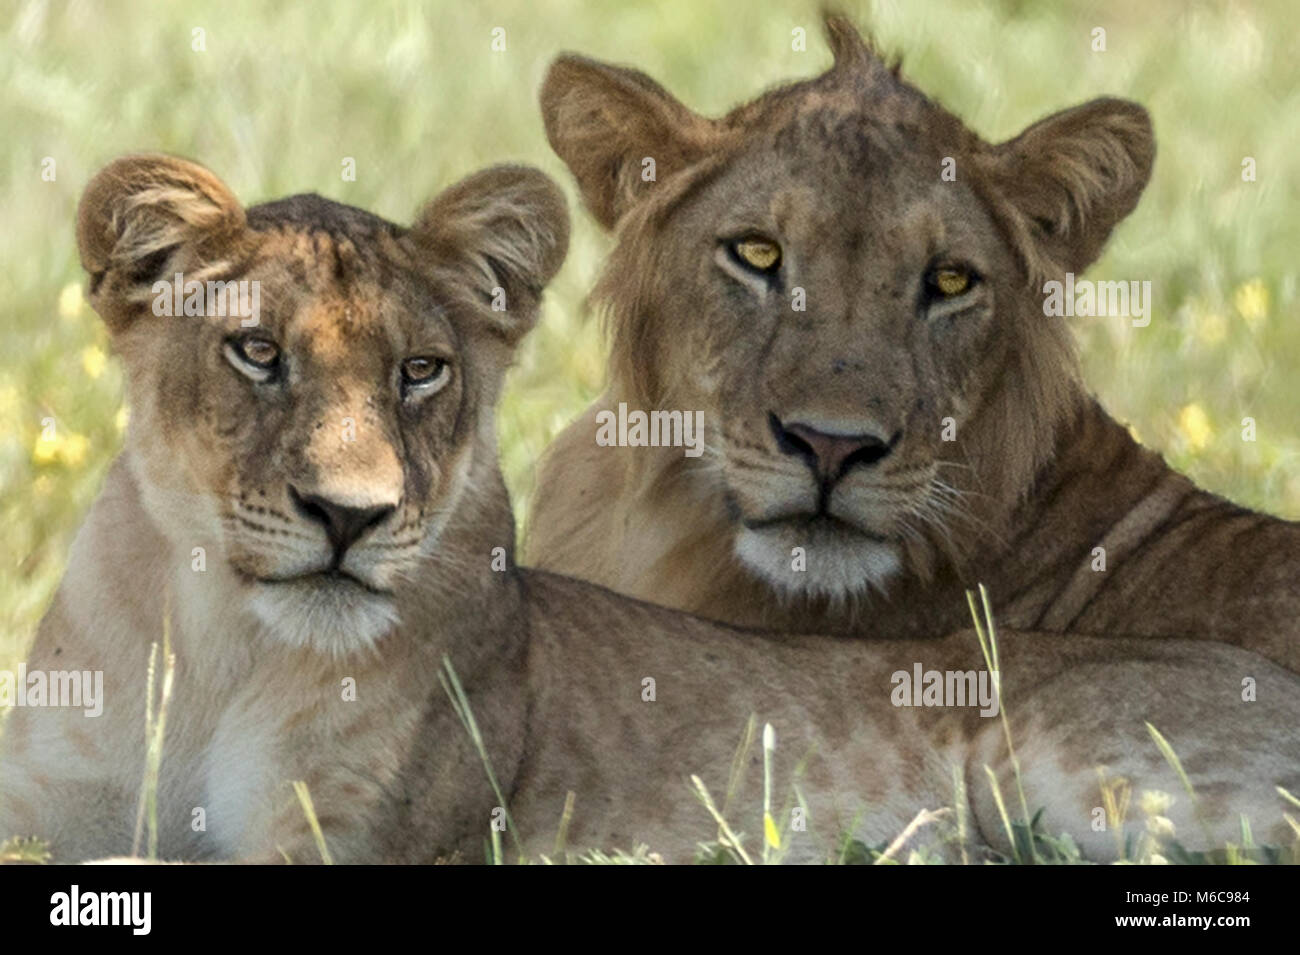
(1030, 843)
(281, 94)
(155, 731)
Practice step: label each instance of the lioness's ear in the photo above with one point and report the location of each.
(143, 218)
(1069, 179)
(608, 123)
(509, 227)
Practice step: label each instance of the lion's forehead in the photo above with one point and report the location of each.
(337, 299)
(299, 264)
(833, 173)
(855, 142)
(338, 329)
(312, 247)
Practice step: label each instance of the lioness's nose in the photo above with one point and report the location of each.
(344, 524)
(830, 456)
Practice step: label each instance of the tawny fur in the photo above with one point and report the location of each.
(281, 673)
(845, 171)
(554, 669)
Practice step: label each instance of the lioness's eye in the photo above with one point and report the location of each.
(425, 373)
(257, 358)
(259, 352)
(949, 282)
(761, 255)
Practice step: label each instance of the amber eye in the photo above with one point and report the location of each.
(425, 373)
(260, 352)
(761, 255)
(258, 358)
(949, 282)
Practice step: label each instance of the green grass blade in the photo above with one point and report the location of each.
(460, 703)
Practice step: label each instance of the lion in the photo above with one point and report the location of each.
(310, 513)
(845, 282)
(303, 379)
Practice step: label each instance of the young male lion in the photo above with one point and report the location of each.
(848, 283)
(316, 487)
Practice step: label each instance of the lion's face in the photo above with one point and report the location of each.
(843, 318)
(321, 448)
(317, 452)
(840, 275)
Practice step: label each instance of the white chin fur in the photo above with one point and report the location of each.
(335, 619)
(836, 567)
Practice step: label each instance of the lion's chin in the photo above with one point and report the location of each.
(818, 560)
(327, 614)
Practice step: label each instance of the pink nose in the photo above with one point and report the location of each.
(829, 455)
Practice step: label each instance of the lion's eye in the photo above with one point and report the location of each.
(257, 358)
(425, 373)
(950, 282)
(260, 352)
(761, 255)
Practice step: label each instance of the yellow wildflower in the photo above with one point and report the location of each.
(1194, 425)
(66, 448)
(93, 360)
(70, 301)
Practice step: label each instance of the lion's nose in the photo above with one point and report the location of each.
(344, 524)
(830, 456)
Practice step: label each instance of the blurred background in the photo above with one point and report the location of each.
(280, 93)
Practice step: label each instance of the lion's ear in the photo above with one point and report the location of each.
(144, 217)
(609, 124)
(1069, 179)
(508, 226)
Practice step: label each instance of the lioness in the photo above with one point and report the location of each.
(848, 283)
(334, 457)
(300, 438)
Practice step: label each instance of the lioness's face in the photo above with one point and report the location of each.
(841, 276)
(316, 439)
(322, 448)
